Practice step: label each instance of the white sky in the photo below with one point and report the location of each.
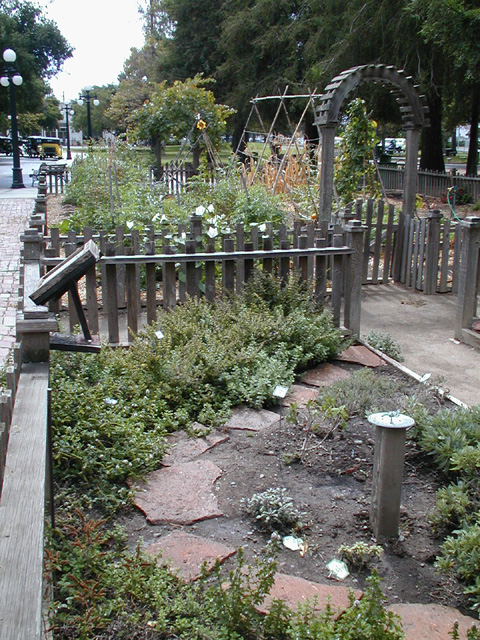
(102, 33)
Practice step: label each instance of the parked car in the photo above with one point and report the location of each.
(6, 145)
(44, 147)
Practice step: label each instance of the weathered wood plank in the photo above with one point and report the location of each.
(22, 509)
(109, 295)
(377, 247)
(57, 281)
(169, 282)
(228, 273)
(133, 307)
(150, 284)
(91, 290)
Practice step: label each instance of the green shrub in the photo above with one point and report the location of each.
(460, 554)
(453, 507)
(449, 432)
(385, 343)
(273, 510)
(212, 358)
(105, 591)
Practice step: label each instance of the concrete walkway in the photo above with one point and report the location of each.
(423, 326)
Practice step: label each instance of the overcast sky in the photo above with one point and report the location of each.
(102, 33)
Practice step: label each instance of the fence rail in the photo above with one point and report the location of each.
(129, 279)
(430, 183)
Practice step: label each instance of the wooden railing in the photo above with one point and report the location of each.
(25, 461)
(430, 183)
(139, 279)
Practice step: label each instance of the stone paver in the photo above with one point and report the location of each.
(14, 216)
(324, 375)
(431, 621)
(185, 449)
(166, 496)
(359, 354)
(295, 591)
(186, 553)
(300, 395)
(248, 419)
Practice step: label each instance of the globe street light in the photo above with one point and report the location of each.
(86, 97)
(13, 79)
(68, 110)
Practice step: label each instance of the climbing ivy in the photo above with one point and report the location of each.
(354, 167)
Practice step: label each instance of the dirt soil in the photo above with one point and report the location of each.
(329, 478)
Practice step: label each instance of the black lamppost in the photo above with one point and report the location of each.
(13, 79)
(68, 110)
(86, 97)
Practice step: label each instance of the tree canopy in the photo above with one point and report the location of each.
(178, 110)
(257, 47)
(41, 50)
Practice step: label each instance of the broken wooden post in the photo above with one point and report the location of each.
(390, 435)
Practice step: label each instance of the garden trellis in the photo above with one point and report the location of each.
(279, 167)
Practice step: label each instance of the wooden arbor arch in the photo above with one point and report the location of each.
(414, 117)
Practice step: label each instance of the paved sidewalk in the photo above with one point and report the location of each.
(14, 215)
(424, 328)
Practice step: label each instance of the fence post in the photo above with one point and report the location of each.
(432, 252)
(33, 323)
(353, 285)
(468, 276)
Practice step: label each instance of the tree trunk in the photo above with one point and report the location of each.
(472, 159)
(157, 147)
(432, 147)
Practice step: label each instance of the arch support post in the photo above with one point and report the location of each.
(326, 177)
(411, 171)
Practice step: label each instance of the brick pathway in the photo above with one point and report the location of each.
(14, 215)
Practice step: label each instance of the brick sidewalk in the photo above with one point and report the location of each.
(14, 215)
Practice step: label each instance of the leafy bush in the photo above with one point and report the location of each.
(111, 187)
(212, 357)
(364, 392)
(360, 554)
(449, 433)
(105, 591)
(274, 510)
(385, 343)
(451, 437)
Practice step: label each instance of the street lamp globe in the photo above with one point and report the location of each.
(4, 81)
(96, 102)
(9, 55)
(17, 80)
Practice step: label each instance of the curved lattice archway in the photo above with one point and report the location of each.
(414, 116)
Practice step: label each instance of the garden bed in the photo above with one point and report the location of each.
(328, 474)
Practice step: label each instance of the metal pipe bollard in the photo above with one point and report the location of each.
(390, 436)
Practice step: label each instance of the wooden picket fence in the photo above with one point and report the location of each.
(141, 274)
(420, 253)
(430, 183)
(174, 177)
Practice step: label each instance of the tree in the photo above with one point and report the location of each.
(40, 47)
(455, 24)
(177, 111)
(99, 114)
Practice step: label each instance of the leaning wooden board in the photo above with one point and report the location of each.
(59, 280)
